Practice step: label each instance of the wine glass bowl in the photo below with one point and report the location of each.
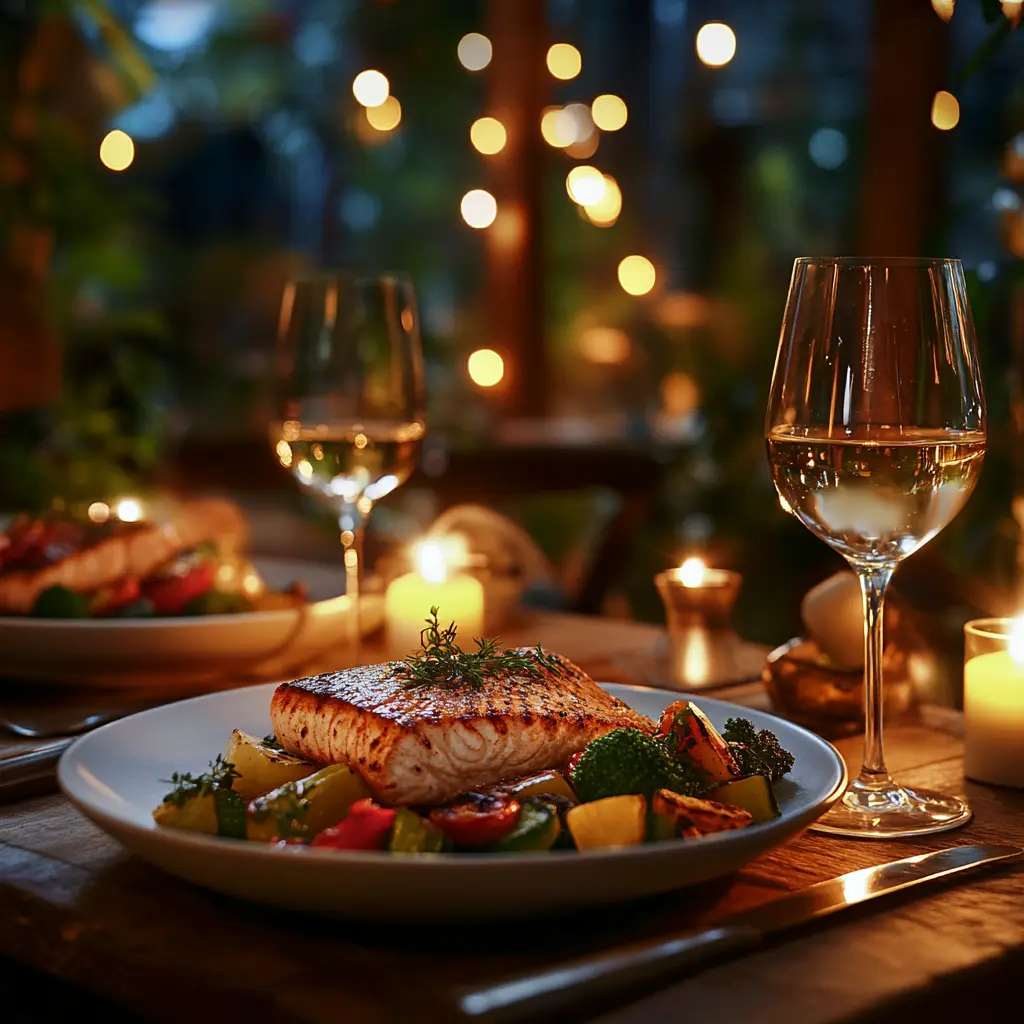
(876, 432)
(350, 401)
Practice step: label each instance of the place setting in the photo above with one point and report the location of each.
(461, 644)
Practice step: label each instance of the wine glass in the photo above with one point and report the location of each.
(350, 397)
(876, 434)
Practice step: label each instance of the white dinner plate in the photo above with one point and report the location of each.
(190, 650)
(113, 776)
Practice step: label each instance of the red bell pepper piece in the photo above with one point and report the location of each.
(366, 828)
(116, 596)
(477, 819)
(170, 594)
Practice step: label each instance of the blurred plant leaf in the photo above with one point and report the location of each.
(125, 57)
(987, 50)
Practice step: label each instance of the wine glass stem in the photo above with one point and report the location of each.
(873, 583)
(353, 528)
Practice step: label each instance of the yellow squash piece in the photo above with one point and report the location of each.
(261, 768)
(305, 808)
(549, 783)
(754, 795)
(705, 815)
(614, 821)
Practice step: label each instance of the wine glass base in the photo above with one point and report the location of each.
(884, 810)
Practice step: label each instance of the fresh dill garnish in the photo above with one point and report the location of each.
(220, 776)
(442, 660)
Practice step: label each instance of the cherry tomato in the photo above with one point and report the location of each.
(170, 594)
(477, 819)
(366, 828)
(116, 596)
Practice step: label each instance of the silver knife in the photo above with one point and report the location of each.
(31, 771)
(610, 973)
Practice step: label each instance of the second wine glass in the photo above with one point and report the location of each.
(876, 434)
(350, 397)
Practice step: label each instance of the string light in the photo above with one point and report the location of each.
(475, 51)
(117, 151)
(716, 44)
(945, 111)
(564, 61)
(129, 510)
(609, 112)
(558, 127)
(586, 149)
(99, 512)
(605, 212)
(487, 135)
(479, 208)
(370, 88)
(585, 185)
(943, 8)
(1012, 10)
(486, 368)
(604, 345)
(637, 275)
(385, 116)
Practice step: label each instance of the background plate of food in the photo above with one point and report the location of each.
(445, 799)
(172, 603)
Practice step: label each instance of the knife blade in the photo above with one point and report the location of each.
(606, 974)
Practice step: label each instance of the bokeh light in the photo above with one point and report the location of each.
(99, 512)
(637, 275)
(117, 151)
(585, 185)
(475, 51)
(129, 510)
(487, 135)
(370, 88)
(605, 212)
(716, 44)
(945, 111)
(604, 345)
(564, 61)
(479, 208)
(609, 112)
(586, 149)
(944, 8)
(385, 116)
(558, 127)
(486, 367)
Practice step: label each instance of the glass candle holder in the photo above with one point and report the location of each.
(696, 596)
(994, 701)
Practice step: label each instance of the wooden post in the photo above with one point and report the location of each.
(901, 182)
(517, 85)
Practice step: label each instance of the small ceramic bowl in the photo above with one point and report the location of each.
(805, 688)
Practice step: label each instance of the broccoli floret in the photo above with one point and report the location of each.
(758, 753)
(626, 761)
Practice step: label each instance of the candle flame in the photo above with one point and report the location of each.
(430, 561)
(1015, 640)
(692, 572)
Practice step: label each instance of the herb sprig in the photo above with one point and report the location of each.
(442, 660)
(220, 776)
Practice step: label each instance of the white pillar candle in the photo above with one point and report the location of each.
(994, 718)
(458, 597)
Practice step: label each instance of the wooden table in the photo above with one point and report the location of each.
(74, 903)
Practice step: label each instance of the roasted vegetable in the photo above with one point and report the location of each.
(219, 812)
(365, 827)
(412, 834)
(757, 753)
(614, 821)
(549, 783)
(477, 819)
(305, 808)
(60, 603)
(261, 768)
(706, 816)
(628, 761)
(690, 736)
(753, 794)
(538, 828)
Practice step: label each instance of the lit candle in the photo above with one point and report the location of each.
(695, 595)
(994, 702)
(458, 597)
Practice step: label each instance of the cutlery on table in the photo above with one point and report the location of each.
(653, 961)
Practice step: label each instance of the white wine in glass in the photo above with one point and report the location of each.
(876, 432)
(349, 378)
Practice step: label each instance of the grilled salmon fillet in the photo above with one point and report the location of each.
(135, 549)
(426, 743)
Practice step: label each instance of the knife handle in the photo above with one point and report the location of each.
(32, 771)
(606, 974)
